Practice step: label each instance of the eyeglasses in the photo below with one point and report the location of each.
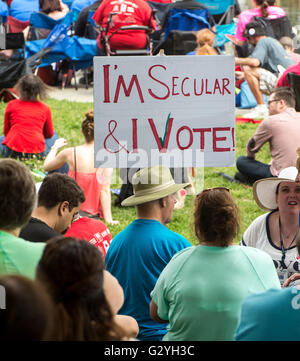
(274, 100)
(213, 189)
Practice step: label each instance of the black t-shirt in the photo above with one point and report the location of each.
(37, 231)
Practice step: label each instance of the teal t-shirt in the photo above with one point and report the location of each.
(136, 257)
(18, 256)
(273, 315)
(201, 290)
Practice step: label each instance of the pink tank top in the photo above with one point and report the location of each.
(92, 187)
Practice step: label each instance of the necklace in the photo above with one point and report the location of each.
(284, 250)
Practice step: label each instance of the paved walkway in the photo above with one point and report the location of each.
(70, 93)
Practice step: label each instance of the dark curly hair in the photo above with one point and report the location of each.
(17, 194)
(72, 271)
(87, 126)
(216, 217)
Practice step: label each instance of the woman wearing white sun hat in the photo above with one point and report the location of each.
(275, 232)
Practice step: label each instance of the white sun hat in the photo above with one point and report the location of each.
(264, 190)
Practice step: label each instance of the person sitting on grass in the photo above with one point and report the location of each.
(80, 160)
(86, 297)
(17, 194)
(28, 128)
(281, 130)
(139, 253)
(275, 232)
(200, 291)
(59, 200)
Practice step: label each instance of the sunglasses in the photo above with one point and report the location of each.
(213, 189)
(274, 100)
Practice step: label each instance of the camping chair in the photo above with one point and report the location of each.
(294, 81)
(276, 28)
(222, 10)
(12, 69)
(41, 24)
(77, 50)
(183, 20)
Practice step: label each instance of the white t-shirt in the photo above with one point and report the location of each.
(258, 236)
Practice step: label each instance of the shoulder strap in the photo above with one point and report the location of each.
(75, 162)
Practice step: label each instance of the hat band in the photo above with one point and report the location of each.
(154, 189)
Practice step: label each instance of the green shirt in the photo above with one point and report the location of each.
(18, 256)
(201, 290)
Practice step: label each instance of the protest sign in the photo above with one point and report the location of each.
(172, 110)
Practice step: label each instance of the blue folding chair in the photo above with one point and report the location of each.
(186, 20)
(41, 24)
(79, 51)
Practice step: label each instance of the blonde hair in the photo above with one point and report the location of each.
(205, 41)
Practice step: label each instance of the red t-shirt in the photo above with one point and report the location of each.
(91, 230)
(26, 125)
(129, 12)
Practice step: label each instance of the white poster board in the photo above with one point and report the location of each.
(172, 110)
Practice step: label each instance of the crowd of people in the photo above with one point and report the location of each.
(66, 279)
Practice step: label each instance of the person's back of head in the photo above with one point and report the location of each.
(72, 272)
(287, 43)
(254, 29)
(17, 194)
(31, 88)
(57, 188)
(263, 4)
(48, 6)
(26, 311)
(216, 217)
(205, 42)
(286, 94)
(87, 126)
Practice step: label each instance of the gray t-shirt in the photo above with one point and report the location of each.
(271, 53)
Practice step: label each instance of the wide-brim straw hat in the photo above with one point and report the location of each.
(152, 183)
(264, 190)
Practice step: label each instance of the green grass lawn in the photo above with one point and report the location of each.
(67, 117)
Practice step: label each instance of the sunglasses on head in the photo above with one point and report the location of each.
(214, 189)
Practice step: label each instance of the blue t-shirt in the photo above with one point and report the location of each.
(271, 53)
(3, 11)
(22, 9)
(136, 257)
(78, 5)
(273, 315)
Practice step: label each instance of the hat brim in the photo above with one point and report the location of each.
(264, 192)
(136, 200)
